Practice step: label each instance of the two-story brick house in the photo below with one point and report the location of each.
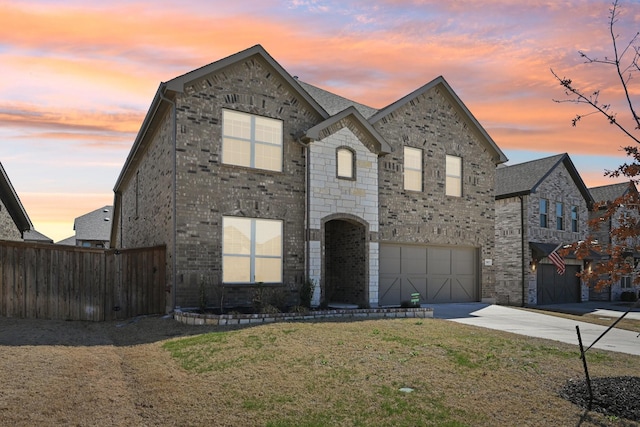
(540, 205)
(250, 176)
(605, 197)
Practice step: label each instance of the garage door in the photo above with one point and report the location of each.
(558, 289)
(440, 274)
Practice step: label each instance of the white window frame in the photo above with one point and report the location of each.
(626, 282)
(243, 143)
(345, 163)
(245, 257)
(412, 168)
(453, 176)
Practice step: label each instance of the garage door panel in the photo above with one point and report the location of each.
(439, 261)
(464, 262)
(461, 289)
(412, 285)
(414, 260)
(439, 289)
(390, 259)
(554, 288)
(439, 274)
(389, 290)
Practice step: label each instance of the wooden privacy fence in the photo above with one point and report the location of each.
(71, 283)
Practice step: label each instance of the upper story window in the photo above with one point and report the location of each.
(574, 219)
(251, 141)
(345, 160)
(559, 216)
(544, 213)
(251, 250)
(412, 169)
(625, 282)
(453, 171)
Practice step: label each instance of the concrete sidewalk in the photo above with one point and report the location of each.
(537, 324)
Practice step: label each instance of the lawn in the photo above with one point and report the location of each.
(393, 372)
(389, 372)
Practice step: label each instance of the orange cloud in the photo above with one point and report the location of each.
(25, 115)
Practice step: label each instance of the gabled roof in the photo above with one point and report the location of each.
(352, 113)
(161, 100)
(609, 193)
(498, 155)
(95, 225)
(13, 204)
(525, 178)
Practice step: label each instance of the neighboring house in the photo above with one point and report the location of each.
(14, 221)
(93, 229)
(540, 205)
(252, 177)
(34, 236)
(604, 196)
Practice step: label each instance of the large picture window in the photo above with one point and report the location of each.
(251, 250)
(454, 176)
(251, 141)
(412, 169)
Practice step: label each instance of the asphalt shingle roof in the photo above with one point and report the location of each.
(524, 177)
(608, 193)
(95, 225)
(333, 103)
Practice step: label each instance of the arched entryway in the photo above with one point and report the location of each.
(345, 262)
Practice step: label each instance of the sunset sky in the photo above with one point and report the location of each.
(79, 76)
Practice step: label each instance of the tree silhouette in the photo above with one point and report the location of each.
(624, 211)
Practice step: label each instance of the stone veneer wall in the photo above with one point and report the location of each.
(8, 229)
(343, 199)
(433, 124)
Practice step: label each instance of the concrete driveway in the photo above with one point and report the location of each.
(534, 324)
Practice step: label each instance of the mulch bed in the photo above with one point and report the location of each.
(616, 396)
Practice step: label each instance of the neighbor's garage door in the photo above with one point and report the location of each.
(440, 274)
(558, 289)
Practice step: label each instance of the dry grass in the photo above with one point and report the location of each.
(157, 372)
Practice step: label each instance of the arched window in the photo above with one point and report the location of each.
(345, 160)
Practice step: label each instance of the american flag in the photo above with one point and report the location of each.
(557, 260)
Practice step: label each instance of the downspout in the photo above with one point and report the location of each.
(307, 215)
(174, 135)
(522, 243)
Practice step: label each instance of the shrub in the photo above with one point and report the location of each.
(628, 296)
(409, 304)
(306, 292)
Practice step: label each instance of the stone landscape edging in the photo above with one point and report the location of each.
(192, 318)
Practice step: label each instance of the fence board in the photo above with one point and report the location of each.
(72, 283)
